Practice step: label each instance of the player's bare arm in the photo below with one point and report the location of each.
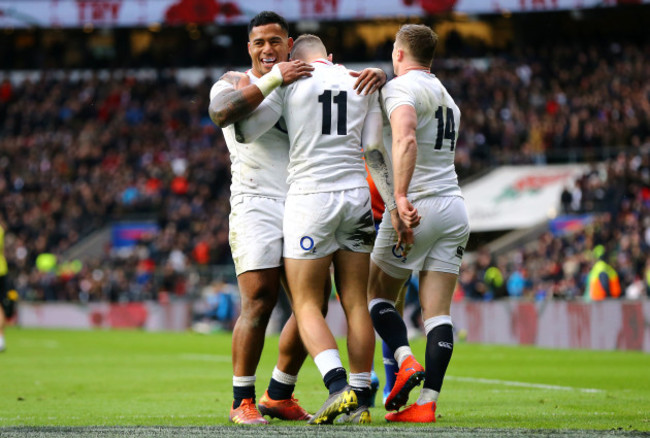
(378, 162)
(369, 80)
(234, 104)
(403, 122)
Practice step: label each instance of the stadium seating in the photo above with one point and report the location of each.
(88, 151)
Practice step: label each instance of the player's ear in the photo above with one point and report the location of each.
(290, 46)
(249, 47)
(329, 57)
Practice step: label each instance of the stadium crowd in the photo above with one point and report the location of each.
(613, 207)
(77, 154)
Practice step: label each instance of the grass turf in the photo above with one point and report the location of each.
(133, 378)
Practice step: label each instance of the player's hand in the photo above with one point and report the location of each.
(369, 80)
(235, 78)
(407, 212)
(294, 70)
(404, 233)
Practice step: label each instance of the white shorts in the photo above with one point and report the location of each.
(439, 240)
(318, 224)
(256, 232)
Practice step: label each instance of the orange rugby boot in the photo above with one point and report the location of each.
(409, 376)
(287, 409)
(415, 413)
(246, 413)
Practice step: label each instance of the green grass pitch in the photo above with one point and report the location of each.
(132, 378)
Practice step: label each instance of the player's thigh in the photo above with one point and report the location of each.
(255, 234)
(446, 253)
(382, 285)
(310, 223)
(351, 271)
(306, 279)
(356, 230)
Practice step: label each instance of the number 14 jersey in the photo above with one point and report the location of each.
(437, 131)
(325, 118)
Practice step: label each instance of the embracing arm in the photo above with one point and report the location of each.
(232, 104)
(371, 79)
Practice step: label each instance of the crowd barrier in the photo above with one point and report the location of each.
(604, 325)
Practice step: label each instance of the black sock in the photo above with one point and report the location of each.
(389, 324)
(336, 380)
(279, 391)
(364, 395)
(440, 346)
(242, 392)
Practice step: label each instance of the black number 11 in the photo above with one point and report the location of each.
(341, 101)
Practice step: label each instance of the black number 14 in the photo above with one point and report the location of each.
(445, 130)
(341, 101)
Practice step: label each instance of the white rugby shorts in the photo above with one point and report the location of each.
(439, 240)
(255, 232)
(318, 224)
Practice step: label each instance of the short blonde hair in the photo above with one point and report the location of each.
(419, 41)
(307, 43)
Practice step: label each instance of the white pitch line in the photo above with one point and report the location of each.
(206, 357)
(522, 384)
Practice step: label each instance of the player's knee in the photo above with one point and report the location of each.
(258, 308)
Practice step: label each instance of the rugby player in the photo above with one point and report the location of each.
(423, 130)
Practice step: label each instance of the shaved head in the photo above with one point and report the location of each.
(307, 48)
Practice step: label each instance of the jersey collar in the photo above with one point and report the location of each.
(322, 61)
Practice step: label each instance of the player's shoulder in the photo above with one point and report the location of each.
(225, 82)
(397, 85)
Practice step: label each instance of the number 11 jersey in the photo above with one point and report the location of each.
(325, 119)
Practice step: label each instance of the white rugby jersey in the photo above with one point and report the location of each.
(258, 168)
(437, 131)
(325, 118)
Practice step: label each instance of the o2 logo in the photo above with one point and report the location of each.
(307, 243)
(398, 252)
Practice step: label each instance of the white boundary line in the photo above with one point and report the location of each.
(206, 357)
(522, 384)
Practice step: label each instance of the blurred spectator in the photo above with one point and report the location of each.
(602, 281)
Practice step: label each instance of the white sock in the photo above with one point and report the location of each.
(427, 395)
(374, 301)
(2, 342)
(243, 380)
(328, 360)
(436, 321)
(360, 380)
(283, 377)
(401, 354)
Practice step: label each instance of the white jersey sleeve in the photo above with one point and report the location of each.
(395, 95)
(438, 121)
(265, 116)
(259, 168)
(218, 87)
